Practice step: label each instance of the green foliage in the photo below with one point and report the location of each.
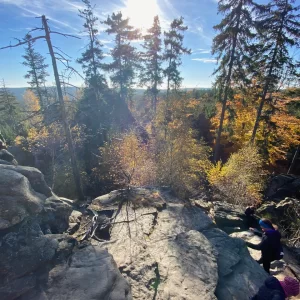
(63, 181)
(182, 160)
(278, 27)
(151, 75)
(174, 49)
(91, 58)
(240, 180)
(37, 72)
(125, 58)
(9, 115)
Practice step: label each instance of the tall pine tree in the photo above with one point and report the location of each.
(174, 49)
(91, 58)
(37, 72)
(231, 46)
(151, 75)
(124, 55)
(278, 26)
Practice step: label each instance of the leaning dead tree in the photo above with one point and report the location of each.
(61, 57)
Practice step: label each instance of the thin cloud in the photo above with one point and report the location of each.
(36, 8)
(201, 51)
(205, 60)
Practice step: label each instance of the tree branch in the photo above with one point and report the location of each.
(65, 35)
(23, 43)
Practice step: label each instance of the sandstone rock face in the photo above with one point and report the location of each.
(7, 156)
(168, 250)
(55, 215)
(39, 266)
(277, 210)
(22, 251)
(282, 186)
(90, 274)
(18, 199)
(240, 275)
(34, 176)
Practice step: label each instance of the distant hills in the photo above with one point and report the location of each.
(19, 92)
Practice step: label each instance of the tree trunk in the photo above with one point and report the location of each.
(266, 87)
(294, 160)
(227, 83)
(76, 174)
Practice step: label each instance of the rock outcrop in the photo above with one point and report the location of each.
(168, 249)
(279, 209)
(282, 186)
(37, 262)
(146, 244)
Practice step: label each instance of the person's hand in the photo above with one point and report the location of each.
(251, 229)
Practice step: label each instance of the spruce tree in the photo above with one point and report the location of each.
(151, 75)
(37, 71)
(91, 58)
(231, 46)
(124, 55)
(174, 49)
(9, 112)
(278, 27)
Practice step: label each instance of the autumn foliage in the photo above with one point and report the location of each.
(241, 179)
(278, 131)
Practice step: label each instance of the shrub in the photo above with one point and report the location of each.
(241, 178)
(182, 163)
(126, 160)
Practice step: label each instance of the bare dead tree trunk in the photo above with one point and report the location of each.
(294, 160)
(76, 174)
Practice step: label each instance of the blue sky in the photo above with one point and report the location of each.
(17, 17)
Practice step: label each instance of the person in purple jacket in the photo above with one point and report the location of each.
(270, 245)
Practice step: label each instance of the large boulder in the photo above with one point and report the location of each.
(55, 215)
(228, 217)
(23, 251)
(18, 199)
(239, 275)
(90, 273)
(282, 186)
(171, 250)
(34, 176)
(35, 265)
(7, 156)
(278, 210)
(48, 267)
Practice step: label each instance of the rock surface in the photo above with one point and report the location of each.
(55, 215)
(282, 186)
(7, 156)
(18, 199)
(279, 209)
(169, 250)
(39, 266)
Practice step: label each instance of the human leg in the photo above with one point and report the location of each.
(266, 265)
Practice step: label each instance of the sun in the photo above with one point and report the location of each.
(141, 13)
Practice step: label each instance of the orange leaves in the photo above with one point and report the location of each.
(278, 129)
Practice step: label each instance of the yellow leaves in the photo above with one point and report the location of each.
(240, 178)
(128, 161)
(275, 135)
(214, 173)
(31, 101)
